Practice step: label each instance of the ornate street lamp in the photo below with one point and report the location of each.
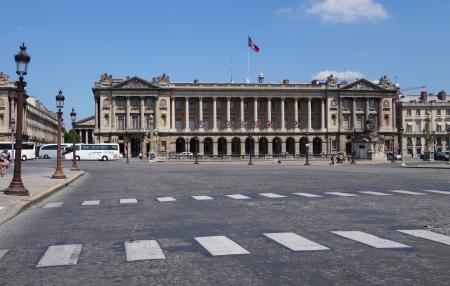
(400, 133)
(353, 146)
(59, 174)
(126, 147)
(250, 163)
(16, 187)
(196, 150)
(151, 153)
(12, 124)
(73, 116)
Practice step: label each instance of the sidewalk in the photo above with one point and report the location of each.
(39, 183)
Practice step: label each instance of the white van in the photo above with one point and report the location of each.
(49, 150)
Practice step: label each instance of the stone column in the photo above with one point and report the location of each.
(200, 113)
(295, 113)
(322, 114)
(186, 114)
(242, 114)
(228, 147)
(309, 114)
(201, 145)
(242, 147)
(215, 149)
(113, 115)
(86, 136)
(269, 112)
(127, 114)
(228, 114)
(380, 115)
(283, 127)
(143, 127)
(367, 109)
(214, 113)
(172, 113)
(353, 113)
(255, 109)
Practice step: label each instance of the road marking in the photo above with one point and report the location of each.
(238, 197)
(407, 192)
(295, 242)
(166, 199)
(128, 201)
(375, 193)
(143, 250)
(427, 235)
(1, 208)
(59, 255)
(437, 192)
(90, 203)
(202, 198)
(271, 195)
(53, 205)
(341, 194)
(370, 240)
(220, 245)
(308, 195)
(3, 252)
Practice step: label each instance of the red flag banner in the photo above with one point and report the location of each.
(252, 45)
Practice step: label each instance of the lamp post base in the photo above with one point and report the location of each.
(16, 188)
(75, 169)
(58, 175)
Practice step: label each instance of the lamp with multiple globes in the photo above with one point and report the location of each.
(73, 117)
(59, 174)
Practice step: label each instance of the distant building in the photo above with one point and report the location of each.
(234, 119)
(424, 116)
(39, 124)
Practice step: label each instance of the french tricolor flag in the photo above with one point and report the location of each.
(252, 45)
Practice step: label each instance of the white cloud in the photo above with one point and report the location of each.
(341, 75)
(347, 11)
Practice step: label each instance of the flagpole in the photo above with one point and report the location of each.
(248, 63)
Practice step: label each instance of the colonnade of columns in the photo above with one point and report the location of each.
(244, 116)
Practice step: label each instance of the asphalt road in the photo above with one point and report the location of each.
(100, 231)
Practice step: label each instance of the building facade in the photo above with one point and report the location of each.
(425, 119)
(39, 124)
(234, 119)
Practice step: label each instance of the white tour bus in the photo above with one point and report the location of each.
(28, 149)
(102, 151)
(49, 150)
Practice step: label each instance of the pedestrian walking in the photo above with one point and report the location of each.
(4, 162)
(332, 161)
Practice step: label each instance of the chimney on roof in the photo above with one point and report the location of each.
(285, 81)
(195, 81)
(423, 95)
(261, 77)
(442, 95)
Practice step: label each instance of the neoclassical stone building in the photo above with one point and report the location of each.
(40, 124)
(234, 119)
(425, 119)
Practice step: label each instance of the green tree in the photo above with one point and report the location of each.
(68, 135)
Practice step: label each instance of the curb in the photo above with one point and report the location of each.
(25, 203)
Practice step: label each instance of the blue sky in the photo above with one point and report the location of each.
(72, 42)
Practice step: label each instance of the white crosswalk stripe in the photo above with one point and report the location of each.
(437, 192)
(308, 195)
(220, 245)
(238, 197)
(370, 239)
(202, 198)
(407, 192)
(60, 255)
(295, 242)
(90, 203)
(166, 199)
(143, 250)
(426, 234)
(341, 194)
(375, 193)
(3, 252)
(128, 201)
(53, 205)
(1, 208)
(271, 195)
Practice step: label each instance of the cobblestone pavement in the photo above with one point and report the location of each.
(233, 224)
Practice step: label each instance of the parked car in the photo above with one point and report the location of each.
(442, 156)
(186, 154)
(172, 155)
(49, 150)
(393, 156)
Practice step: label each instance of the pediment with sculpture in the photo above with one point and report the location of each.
(135, 83)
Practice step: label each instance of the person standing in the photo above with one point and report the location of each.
(332, 161)
(4, 162)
